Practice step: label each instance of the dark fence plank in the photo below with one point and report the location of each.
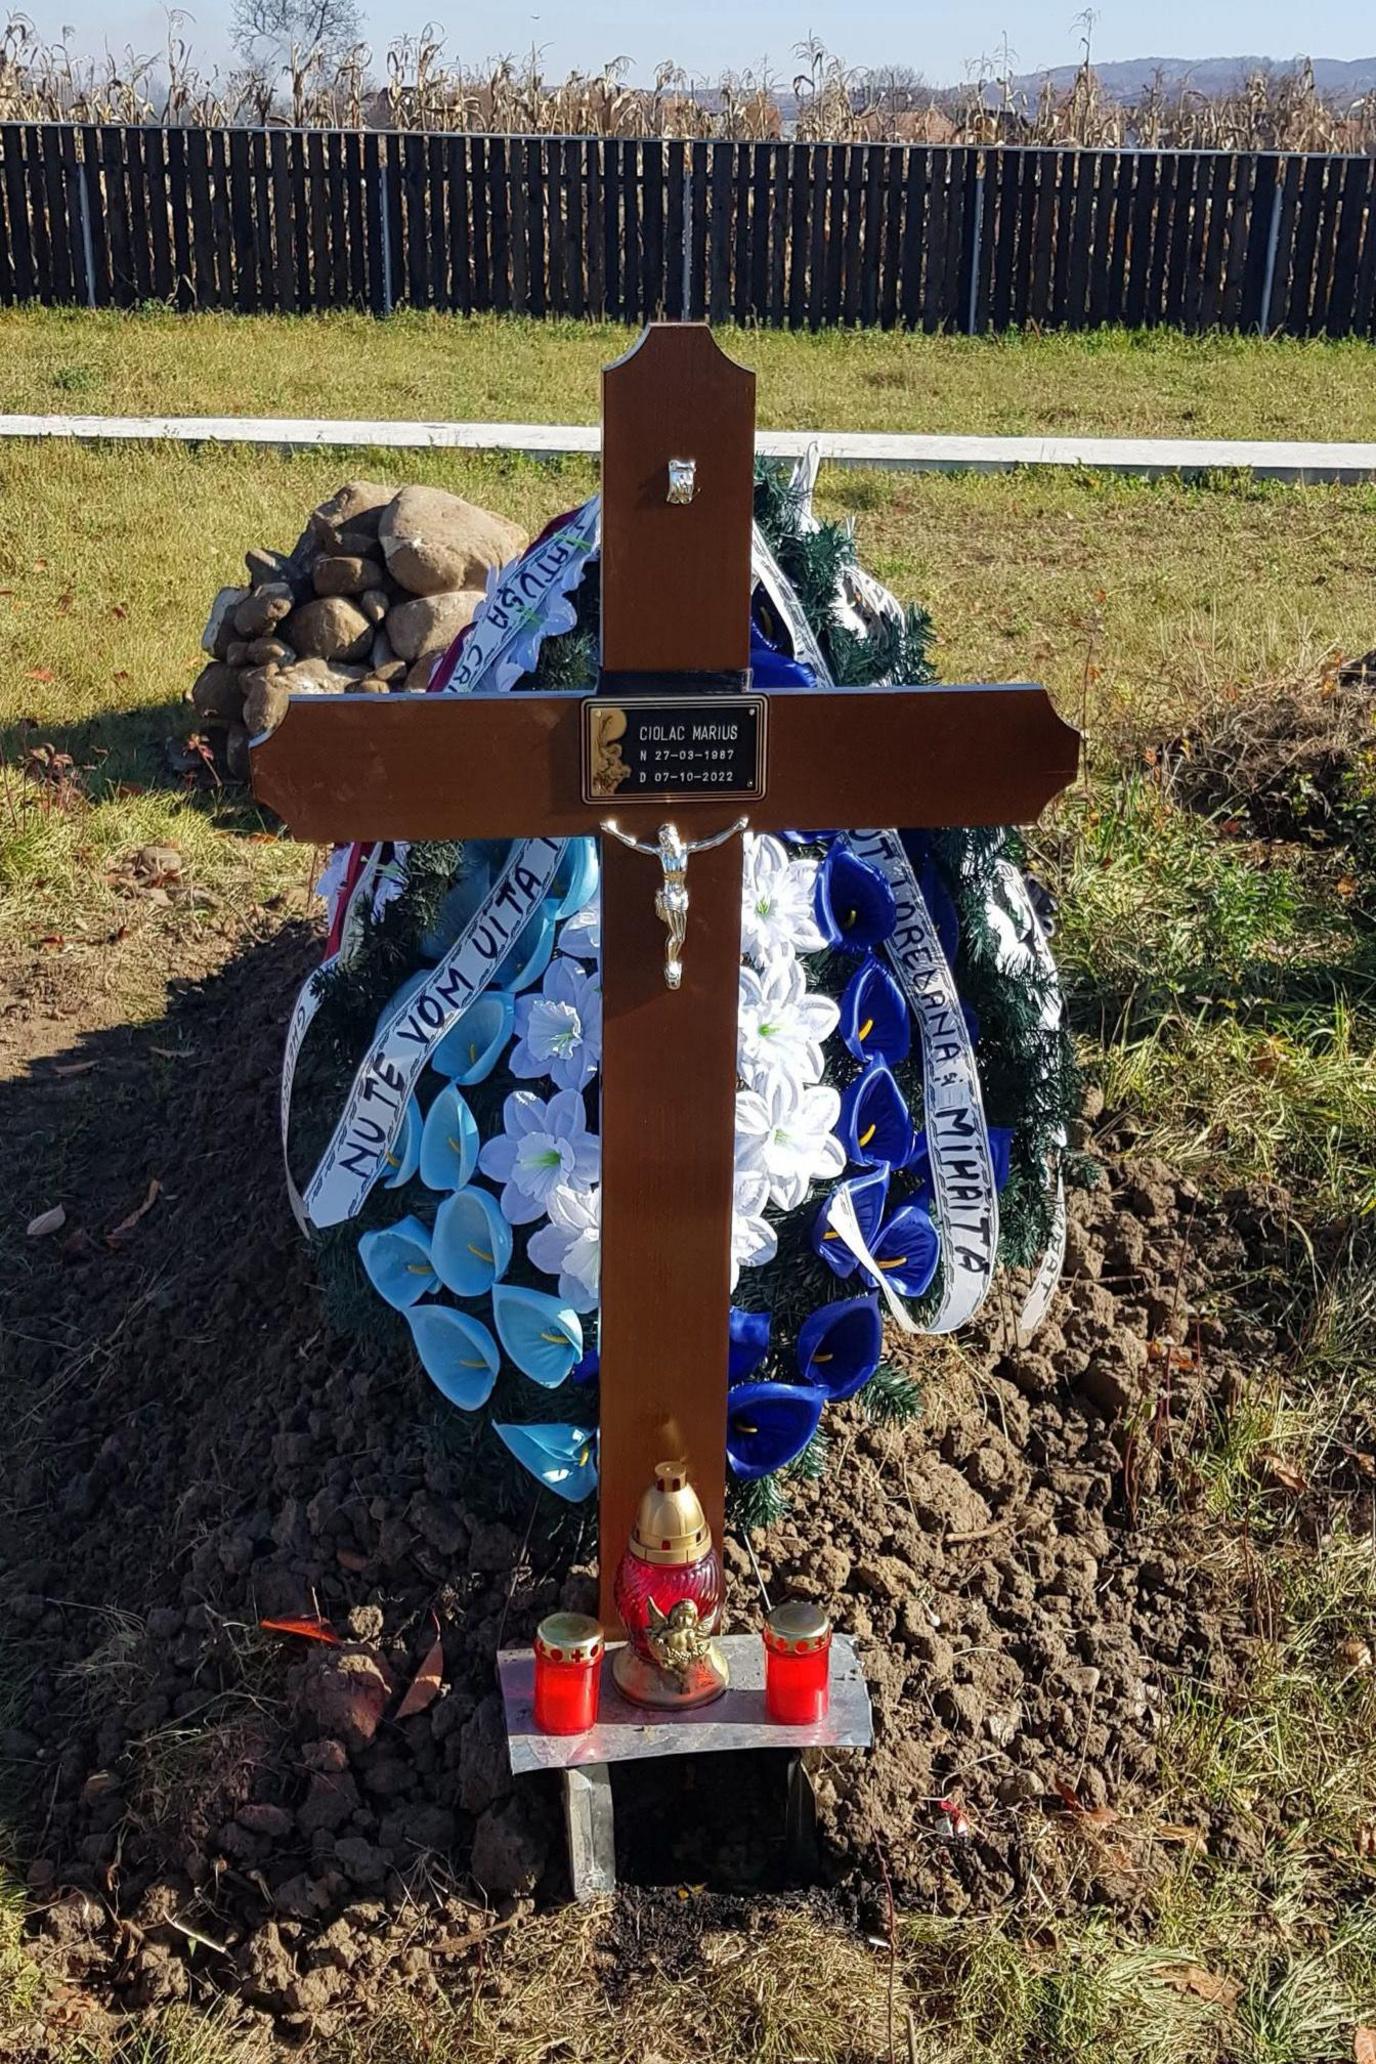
(934, 239)
(611, 227)
(1355, 217)
(458, 232)
(1211, 285)
(872, 234)
(819, 160)
(355, 180)
(319, 202)
(416, 234)
(675, 228)
(778, 233)
(853, 259)
(1364, 294)
(1105, 208)
(1044, 236)
(536, 295)
(575, 291)
(697, 276)
(1067, 180)
(1241, 230)
(205, 290)
(1030, 163)
(19, 247)
(1325, 255)
(597, 267)
(117, 215)
(1312, 176)
(38, 212)
(653, 287)
(1087, 171)
(719, 232)
(895, 168)
(262, 216)
(1002, 189)
(630, 231)
(62, 277)
(482, 222)
(7, 288)
(179, 211)
(740, 240)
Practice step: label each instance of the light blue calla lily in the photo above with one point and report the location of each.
(396, 1261)
(449, 1143)
(462, 902)
(543, 1336)
(458, 1354)
(405, 1152)
(530, 955)
(471, 1248)
(575, 878)
(564, 1458)
(471, 1049)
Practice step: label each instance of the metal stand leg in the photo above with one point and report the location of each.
(800, 1817)
(590, 1828)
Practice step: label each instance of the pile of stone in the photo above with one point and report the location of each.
(376, 587)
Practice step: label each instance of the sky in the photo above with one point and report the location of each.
(710, 36)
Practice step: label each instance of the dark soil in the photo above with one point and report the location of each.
(206, 1805)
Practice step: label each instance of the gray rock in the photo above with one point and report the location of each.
(345, 575)
(436, 543)
(357, 506)
(236, 752)
(219, 628)
(266, 566)
(261, 609)
(374, 602)
(268, 652)
(218, 691)
(430, 622)
(345, 1691)
(330, 628)
(265, 699)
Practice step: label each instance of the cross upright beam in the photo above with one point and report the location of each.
(675, 611)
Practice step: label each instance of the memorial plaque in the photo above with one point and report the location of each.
(673, 745)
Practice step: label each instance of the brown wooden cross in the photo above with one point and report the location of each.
(676, 588)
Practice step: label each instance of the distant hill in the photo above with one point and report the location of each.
(1340, 78)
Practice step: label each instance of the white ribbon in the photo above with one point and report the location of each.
(841, 1216)
(408, 1034)
(527, 603)
(1023, 946)
(966, 1211)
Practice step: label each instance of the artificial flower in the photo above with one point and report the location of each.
(542, 1145)
(855, 904)
(749, 1331)
(753, 1239)
(563, 1458)
(404, 1156)
(874, 1126)
(769, 1425)
(777, 915)
(396, 1261)
(875, 1025)
(785, 1134)
(868, 1195)
(781, 1026)
(907, 1250)
(839, 1345)
(540, 1333)
(580, 936)
(462, 902)
(448, 1142)
(471, 1245)
(458, 1354)
(470, 1050)
(570, 1246)
(559, 1032)
(575, 878)
(530, 952)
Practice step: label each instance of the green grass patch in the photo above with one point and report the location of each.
(1109, 383)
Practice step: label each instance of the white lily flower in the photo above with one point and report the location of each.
(784, 1133)
(570, 1246)
(753, 1239)
(780, 1026)
(777, 912)
(559, 1030)
(544, 1145)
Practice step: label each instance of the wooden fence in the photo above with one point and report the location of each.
(804, 235)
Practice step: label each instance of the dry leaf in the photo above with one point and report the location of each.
(1214, 1986)
(424, 1687)
(313, 1628)
(1354, 1653)
(349, 1558)
(1089, 1816)
(74, 1067)
(1364, 2045)
(1285, 1473)
(126, 1225)
(172, 1053)
(40, 673)
(47, 1222)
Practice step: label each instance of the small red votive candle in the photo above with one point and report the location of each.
(568, 1673)
(797, 1664)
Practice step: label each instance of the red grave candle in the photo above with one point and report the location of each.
(797, 1664)
(568, 1673)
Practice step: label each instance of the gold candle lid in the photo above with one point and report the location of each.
(670, 1526)
(798, 1627)
(569, 1637)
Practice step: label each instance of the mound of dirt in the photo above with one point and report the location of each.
(1285, 763)
(207, 1803)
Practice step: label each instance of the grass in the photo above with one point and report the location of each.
(1223, 989)
(1106, 383)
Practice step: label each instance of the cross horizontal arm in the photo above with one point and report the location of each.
(435, 767)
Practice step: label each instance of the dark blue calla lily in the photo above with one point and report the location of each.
(749, 1343)
(855, 905)
(874, 1015)
(771, 666)
(839, 1346)
(941, 909)
(869, 1194)
(875, 1127)
(907, 1250)
(769, 1424)
(588, 1367)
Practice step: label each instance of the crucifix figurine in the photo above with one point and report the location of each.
(673, 739)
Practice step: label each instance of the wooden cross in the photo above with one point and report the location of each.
(676, 589)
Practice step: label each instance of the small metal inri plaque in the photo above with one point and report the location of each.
(673, 745)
